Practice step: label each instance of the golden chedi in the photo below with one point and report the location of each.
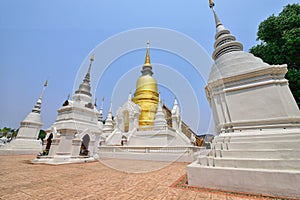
(146, 94)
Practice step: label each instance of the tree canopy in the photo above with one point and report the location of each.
(8, 132)
(279, 38)
(42, 134)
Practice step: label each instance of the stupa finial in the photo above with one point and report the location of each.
(95, 103)
(217, 20)
(175, 101)
(147, 67)
(129, 96)
(110, 107)
(100, 118)
(211, 4)
(147, 59)
(88, 74)
(92, 57)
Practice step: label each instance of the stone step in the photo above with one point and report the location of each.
(256, 138)
(259, 154)
(286, 144)
(277, 164)
(282, 183)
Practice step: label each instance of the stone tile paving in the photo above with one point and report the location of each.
(22, 180)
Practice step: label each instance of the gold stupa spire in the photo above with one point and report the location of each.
(146, 93)
(147, 59)
(147, 67)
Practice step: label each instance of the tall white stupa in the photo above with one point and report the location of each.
(27, 141)
(257, 121)
(76, 132)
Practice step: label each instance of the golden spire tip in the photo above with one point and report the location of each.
(211, 4)
(147, 59)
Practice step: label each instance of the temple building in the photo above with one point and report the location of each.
(257, 121)
(27, 139)
(146, 129)
(143, 128)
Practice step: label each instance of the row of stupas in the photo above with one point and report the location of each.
(79, 135)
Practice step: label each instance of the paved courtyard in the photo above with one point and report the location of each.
(22, 180)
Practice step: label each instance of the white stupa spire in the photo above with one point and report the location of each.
(176, 119)
(175, 110)
(224, 41)
(37, 107)
(100, 118)
(85, 86)
(98, 114)
(110, 110)
(96, 110)
(160, 120)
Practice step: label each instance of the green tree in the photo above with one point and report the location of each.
(279, 38)
(5, 130)
(42, 135)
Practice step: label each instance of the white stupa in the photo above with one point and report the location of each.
(27, 139)
(108, 126)
(257, 121)
(76, 132)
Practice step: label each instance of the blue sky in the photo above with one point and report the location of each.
(51, 40)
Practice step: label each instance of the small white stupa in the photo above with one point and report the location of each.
(108, 126)
(160, 120)
(257, 121)
(27, 139)
(76, 132)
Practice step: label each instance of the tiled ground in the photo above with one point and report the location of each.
(21, 180)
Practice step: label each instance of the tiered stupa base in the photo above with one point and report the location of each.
(21, 146)
(259, 163)
(165, 144)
